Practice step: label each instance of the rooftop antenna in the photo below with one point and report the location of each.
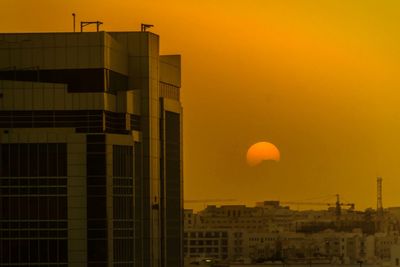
(144, 27)
(73, 19)
(379, 205)
(338, 209)
(86, 23)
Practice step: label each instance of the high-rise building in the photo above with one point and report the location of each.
(90, 150)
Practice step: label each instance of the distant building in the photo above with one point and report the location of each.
(269, 232)
(258, 218)
(189, 219)
(383, 244)
(210, 243)
(395, 255)
(90, 150)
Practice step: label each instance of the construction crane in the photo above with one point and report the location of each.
(338, 205)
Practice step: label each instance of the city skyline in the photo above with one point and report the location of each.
(318, 80)
(272, 233)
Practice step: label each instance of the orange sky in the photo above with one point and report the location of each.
(319, 79)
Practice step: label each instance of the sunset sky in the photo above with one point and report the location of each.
(319, 79)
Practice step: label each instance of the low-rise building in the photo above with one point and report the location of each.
(207, 243)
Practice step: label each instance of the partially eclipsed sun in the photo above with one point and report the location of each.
(261, 151)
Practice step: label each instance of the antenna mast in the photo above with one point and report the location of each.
(338, 209)
(379, 205)
(73, 21)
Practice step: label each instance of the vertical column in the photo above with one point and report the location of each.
(77, 234)
(162, 184)
(123, 206)
(97, 237)
(150, 148)
(138, 212)
(173, 184)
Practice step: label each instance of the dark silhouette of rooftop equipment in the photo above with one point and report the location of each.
(86, 23)
(144, 27)
(73, 21)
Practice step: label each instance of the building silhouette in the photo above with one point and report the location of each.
(90, 150)
(269, 232)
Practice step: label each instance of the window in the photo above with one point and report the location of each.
(34, 193)
(96, 199)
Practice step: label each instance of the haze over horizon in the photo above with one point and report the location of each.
(319, 79)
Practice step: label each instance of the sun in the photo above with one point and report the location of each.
(261, 151)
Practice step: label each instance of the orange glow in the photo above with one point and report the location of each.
(320, 78)
(261, 151)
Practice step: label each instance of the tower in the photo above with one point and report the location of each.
(379, 205)
(338, 208)
(90, 150)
